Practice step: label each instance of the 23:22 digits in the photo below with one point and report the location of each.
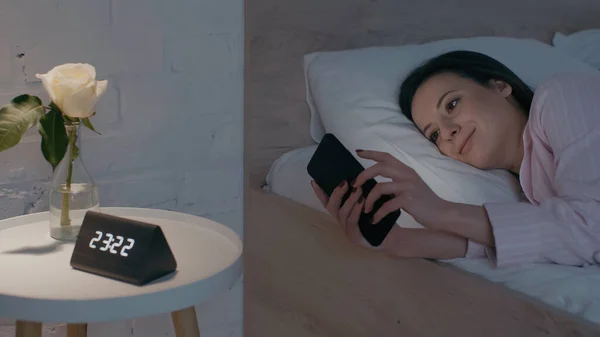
(111, 243)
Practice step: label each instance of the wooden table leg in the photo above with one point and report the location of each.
(185, 322)
(29, 329)
(76, 330)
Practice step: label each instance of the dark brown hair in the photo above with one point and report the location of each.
(467, 64)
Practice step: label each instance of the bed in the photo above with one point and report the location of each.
(302, 277)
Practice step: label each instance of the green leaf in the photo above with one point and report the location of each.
(17, 117)
(88, 124)
(54, 136)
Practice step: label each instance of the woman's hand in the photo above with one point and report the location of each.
(408, 189)
(411, 194)
(400, 242)
(346, 214)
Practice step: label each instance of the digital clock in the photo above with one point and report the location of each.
(127, 250)
(111, 244)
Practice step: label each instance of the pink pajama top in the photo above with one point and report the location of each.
(560, 176)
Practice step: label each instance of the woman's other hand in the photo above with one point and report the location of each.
(346, 214)
(400, 242)
(409, 191)
(411, 194)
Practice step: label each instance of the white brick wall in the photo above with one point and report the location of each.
(171, 120)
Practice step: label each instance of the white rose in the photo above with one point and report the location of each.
(73, 88)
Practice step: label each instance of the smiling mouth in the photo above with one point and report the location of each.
(464, 145)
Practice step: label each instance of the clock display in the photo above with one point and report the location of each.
(112, 243)
(132, 251)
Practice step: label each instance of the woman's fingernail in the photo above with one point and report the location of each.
(342, 183)
(353, 189)
(359, 150)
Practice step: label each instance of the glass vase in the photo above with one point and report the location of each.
(72, 191)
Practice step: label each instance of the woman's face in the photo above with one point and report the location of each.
(481, 126)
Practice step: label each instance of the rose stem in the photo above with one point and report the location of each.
(64, 213)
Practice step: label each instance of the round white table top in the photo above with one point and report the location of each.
(38, 284)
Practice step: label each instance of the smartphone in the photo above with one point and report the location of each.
(330, 165)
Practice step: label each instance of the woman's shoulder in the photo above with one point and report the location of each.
(566, 107)
(567, 82)
(564, 94)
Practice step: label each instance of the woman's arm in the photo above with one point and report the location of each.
(469, 221)
(424, 243)
(400, 242)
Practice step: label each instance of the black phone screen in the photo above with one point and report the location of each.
(330, 165)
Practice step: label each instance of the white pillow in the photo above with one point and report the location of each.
(353, 78)
(288, 177)
(583, 45)
(353, 94)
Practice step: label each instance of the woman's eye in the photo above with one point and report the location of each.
(434, 136)
(452, 104)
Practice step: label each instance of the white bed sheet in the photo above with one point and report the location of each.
(575, 290)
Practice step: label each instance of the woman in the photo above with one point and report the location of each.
(478, 111)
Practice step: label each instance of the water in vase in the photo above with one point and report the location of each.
(79, 199)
